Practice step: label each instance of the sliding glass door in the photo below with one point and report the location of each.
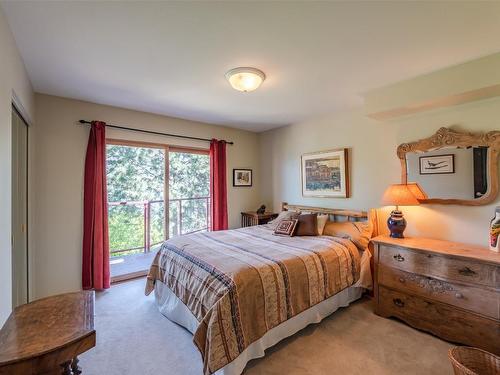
(189, 191)
(139, 219)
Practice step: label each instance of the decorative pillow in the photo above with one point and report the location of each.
(284, 215)
(322, 219)
(358, 232)
(307, 225)
(286, 227)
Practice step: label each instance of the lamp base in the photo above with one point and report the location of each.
(396, 224)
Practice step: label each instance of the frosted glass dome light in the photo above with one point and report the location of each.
(245, 79)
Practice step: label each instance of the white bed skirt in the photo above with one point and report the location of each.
(173, 308)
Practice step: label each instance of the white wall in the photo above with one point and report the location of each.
(374, 164)
(458, 84)
(13, 81)
(60, 157)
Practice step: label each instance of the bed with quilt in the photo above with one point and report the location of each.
(241, 291)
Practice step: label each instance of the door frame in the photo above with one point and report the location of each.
(19, 112)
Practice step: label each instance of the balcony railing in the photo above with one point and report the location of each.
(185, 216)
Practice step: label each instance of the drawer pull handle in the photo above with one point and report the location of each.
(459, 295)
(399, 258)
(466, 271)
(398, 302)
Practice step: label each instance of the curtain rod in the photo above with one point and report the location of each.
(153, 132)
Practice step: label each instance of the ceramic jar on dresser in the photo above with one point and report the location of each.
(449, 289)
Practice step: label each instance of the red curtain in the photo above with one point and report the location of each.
(218, 186)
(95, 265)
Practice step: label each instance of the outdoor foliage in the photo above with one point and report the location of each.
(137, 174)
(189, 176)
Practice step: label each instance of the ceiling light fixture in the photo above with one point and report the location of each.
(245, 79)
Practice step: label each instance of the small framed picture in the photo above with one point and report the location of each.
(242, 177)
(437, 164)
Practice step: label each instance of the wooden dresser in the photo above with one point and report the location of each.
(446, 288)
(251, 218)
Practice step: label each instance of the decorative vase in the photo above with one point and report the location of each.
(495, 231)
(397, 224)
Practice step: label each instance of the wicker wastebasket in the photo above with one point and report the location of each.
(472, 361)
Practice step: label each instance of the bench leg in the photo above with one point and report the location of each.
(66, 368)
(74, 366)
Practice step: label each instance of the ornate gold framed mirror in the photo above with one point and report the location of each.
(453, 167)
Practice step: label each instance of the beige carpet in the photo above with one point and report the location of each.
(134, 338)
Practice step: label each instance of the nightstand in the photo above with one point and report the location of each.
(251, 218)
(446, 288)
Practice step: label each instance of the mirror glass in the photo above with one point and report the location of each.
(450, 172)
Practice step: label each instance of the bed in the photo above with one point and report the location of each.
(242, 291)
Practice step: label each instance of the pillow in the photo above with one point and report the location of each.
(307, 225)
(359, 232)
(286, 227)
(284, 215)
(322, 219)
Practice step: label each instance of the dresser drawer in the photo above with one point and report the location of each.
(482, 301)
(440, 266)
(443, 320)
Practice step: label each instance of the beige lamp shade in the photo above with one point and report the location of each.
(417, 191)
(402, 195)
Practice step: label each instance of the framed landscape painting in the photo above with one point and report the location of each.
(325, 174)
(242, 177)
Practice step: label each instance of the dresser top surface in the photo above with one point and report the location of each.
(457, 249)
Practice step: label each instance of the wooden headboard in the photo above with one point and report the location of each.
(338, 214)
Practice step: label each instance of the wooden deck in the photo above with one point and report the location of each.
(130, 266)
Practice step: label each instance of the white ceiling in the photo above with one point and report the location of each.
(170, 57)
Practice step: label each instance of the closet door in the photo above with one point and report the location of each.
(19, 210)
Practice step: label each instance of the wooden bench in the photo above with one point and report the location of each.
(46, 336)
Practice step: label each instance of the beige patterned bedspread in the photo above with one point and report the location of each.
(241, 283)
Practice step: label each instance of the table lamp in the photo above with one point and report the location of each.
(401, 195)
